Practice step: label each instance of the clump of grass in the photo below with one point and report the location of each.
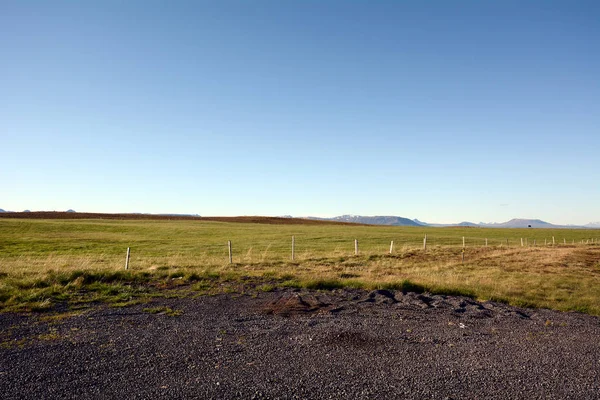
(176, 275)
(356, 284)
(43, 293)
(51, 335)
(404, 286)
(323, 284)
(155, 310)
(346, 275)
(39, 306)
(291, 283)
(453, 291)
(61, 316)
(163, 310)
(202, 285)
(193, 277)
(266, 288)
(14, 343)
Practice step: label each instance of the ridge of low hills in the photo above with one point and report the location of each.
(387, 220)
(376, 220)
(523, 223)
(132, 216)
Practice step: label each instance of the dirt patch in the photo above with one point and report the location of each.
(584, 258)
(290, 304)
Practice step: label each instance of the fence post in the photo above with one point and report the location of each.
(127, 259)
(552, 240)
(463, 255)
(534, 242)
(293, 246)
(545, 241)
(463, 242)
(425, 243)
(230, 255)
(391, 247)
(506, 242)
(485, 242)
(355, 247)
(564, 241)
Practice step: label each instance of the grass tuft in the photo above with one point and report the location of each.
(323, 284)
(163, 310)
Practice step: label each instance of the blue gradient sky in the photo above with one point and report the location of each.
(442, 111)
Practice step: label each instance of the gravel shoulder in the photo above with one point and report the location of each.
(303, 344)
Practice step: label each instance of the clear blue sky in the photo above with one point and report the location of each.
(439, 110)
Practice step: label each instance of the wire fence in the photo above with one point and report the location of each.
(194, 250)
(300, 249)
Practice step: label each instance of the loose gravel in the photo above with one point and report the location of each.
(298, 344)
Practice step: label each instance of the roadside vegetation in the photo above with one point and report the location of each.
(68, 264)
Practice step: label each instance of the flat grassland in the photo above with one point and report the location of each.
(50, 263)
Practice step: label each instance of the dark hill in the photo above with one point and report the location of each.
(376, 220)
(244, 219)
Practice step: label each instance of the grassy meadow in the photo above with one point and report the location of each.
(45, 264)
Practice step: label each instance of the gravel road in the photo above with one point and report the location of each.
(287, 344)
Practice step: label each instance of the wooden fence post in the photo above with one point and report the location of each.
(552, 240)
(355, 247)
(485, 242)
(230, 254)
(545, 241)
(293, 246)
(521, 242)
(391, 247)
(425, 243)
(127, 260)
(463, 242)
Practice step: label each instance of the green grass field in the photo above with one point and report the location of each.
(49, 262)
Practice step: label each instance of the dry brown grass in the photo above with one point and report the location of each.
(564, 278)
(45, 262)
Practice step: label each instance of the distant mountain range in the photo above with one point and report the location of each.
(377, 220)
(71, 211)
(522, 223)
(392, 220)
(400, 221)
